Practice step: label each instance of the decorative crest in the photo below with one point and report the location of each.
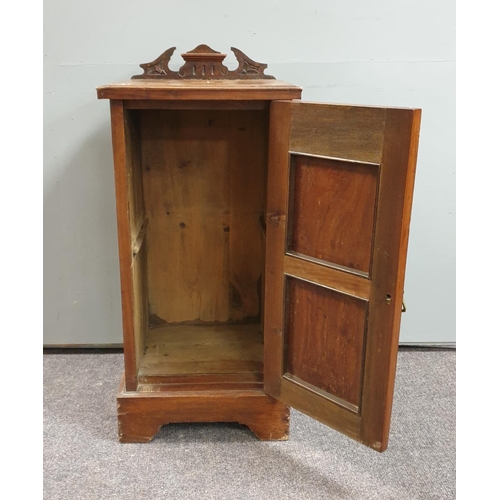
(204, 63)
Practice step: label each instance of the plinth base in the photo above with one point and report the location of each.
(141, 414)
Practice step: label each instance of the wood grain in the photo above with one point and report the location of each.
(391, 241)
(338, 131)
(182, 386)
(140, 302)
(211, 105)
(134, 172)
(202, 168)
(277, 202)
(199, 381)
(335, 279)
(316, 391)
(202, 90)
(204, 176)
(320, 408)
(204, 63)
(138, 224)
(333, 211)
(325, 339)
(373, 136)
(202, 349)
(123, 191)
(247, 180)
(140, 415)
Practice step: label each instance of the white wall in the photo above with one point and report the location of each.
(390, 52)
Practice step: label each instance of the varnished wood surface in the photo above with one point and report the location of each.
(318, 327)
(277, 201)
(335, 279)
(204, 176)
(123, 190)
(140, 302)
(324, 339)
(350, 132)
(202, 349)
(387, 137)
(316, 391)
(134, 173)
(197, 105)
(395, 197)
(204, 63)
(181, 386)
(320, 408)
(140, 415)
(200, 381)
(246, 90)
(333, 209)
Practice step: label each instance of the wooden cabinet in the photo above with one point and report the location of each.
(262, 246)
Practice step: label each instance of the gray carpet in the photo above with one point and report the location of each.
(84, 460)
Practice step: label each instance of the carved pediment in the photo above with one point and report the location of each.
(204, 63)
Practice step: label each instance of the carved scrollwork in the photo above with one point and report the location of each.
(203, 63)
(248, 68)
(159, 67)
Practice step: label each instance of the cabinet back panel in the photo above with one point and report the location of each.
(204, 177)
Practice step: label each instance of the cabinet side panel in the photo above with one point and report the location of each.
(138, 224)
(134, 173)
(124, 240)
(247, 178)
(140, 301)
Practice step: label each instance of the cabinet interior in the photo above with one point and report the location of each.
(198, 241)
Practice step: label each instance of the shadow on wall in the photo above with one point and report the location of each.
(81, 274)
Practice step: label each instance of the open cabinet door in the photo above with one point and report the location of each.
(339, 200)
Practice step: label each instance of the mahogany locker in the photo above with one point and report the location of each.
(262, 245)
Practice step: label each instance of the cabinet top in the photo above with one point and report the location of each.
(199, 90)
(202, 77)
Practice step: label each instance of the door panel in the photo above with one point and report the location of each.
(314, 354)
(342, 196)
(339, 200)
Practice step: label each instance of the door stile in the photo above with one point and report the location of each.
(396, 184)
(276, 224)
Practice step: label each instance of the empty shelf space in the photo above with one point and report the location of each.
(183, 350)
